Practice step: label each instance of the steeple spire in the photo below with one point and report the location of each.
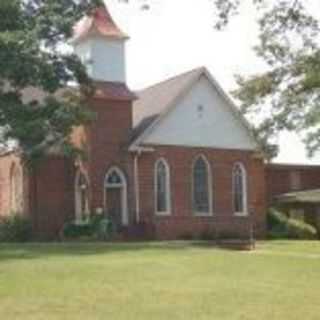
(100, 44)
(98, 22)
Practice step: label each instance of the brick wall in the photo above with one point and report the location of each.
(108, 138)
(51, 194)
(182, 220)
(105, 142)
(279, 179)
(48, 193)
(50, 190)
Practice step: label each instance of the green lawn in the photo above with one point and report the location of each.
(280, 280)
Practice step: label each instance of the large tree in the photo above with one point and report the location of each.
(286, 96)
(31, 34)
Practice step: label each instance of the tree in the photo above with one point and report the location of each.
(286, 96)
(31, 34)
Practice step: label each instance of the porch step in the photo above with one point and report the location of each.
(236, 244)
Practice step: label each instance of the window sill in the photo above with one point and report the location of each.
(203, 214)
(241, 214)
(163, 214)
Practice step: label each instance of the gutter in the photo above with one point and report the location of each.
(136, 186)
(139, 149)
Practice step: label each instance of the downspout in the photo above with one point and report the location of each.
(137, 185)
(137, 150)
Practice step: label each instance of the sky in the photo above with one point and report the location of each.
(175, 36)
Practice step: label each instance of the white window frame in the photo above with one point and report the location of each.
(123, 186)
(245, 211)
(78, 215)
(210, 185)
(295, 180)
(168, 188)
(16, 189)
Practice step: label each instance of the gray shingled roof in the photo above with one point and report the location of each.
(306, 196)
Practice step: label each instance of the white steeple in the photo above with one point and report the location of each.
(100, 45)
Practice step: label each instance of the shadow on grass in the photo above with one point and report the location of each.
(47, 250)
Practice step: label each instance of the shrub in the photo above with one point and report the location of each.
(73, 230)
(275, 218)
(97, 227)
(281, 227)
(278, 232)
(208, 235)
(15, 228)
(300, 230)
(105, 229)
(186, 236)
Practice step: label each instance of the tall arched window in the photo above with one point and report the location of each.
(239, 178)
(115, 196)
(202, 185)
(81, 197)
(162, 187)
(16, 189)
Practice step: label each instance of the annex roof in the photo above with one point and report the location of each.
(307, 196)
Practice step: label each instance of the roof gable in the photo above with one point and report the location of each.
(155, 99)
(159, 103)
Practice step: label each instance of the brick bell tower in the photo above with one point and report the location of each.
(100, 45)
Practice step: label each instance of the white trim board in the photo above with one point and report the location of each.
(219, 99)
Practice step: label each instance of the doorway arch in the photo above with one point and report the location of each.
(115, 196)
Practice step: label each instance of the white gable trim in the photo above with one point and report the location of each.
(168, 197)
(233, 108)
(244, 181)
(166, 111)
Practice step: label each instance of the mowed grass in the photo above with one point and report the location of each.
(280, 280)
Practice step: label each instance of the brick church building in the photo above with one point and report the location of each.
(174, 159)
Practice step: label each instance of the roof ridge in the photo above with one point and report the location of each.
(284, 164)
(194, 70)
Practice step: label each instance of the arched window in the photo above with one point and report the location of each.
(16, 190)
(162, 187)
(239, 178)
(115, 196)
(202, 185)
(114, 178)
(81, 197)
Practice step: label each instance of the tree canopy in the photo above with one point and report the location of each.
(31, 34)
(286, 96)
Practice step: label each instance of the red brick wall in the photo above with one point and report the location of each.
(108, 138)
(51, 193)
(51, 190)
(48, 193)
(182, 220)
(105, 142)
(278, 179)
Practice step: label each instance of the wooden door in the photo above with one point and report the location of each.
(114, 205)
